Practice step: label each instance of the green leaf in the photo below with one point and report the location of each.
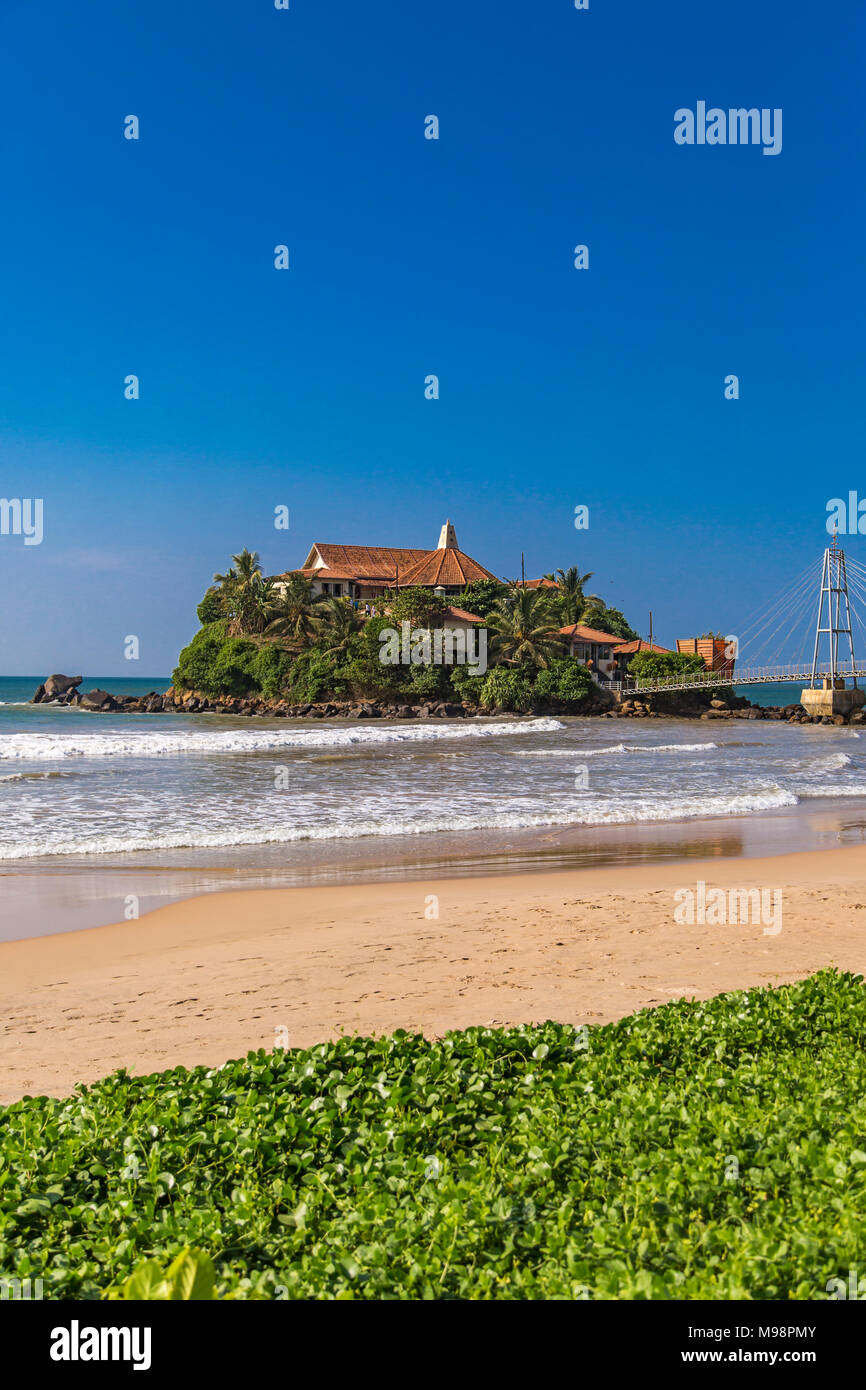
(147, 1282)
(191, 1276)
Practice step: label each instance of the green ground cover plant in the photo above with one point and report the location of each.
(699, 1150)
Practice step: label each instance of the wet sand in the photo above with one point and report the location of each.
(207, 979)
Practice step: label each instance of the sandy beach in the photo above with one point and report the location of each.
(208, 979)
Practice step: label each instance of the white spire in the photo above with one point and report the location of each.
(448, 538)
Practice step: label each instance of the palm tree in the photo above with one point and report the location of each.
(296, 612)
(525, 629)
(258, 605)
(574, 601)
(246, 593)
(248, 567)
(340, 623)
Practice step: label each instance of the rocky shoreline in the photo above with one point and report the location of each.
(64, 690)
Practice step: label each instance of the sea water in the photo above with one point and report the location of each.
(90, 786)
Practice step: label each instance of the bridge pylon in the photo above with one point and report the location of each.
(827, 693)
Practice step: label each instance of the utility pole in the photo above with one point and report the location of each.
(522, 572)
(651, 628)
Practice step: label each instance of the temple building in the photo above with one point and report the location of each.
(365, 572)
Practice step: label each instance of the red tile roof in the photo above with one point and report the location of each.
(368, 561)
(449, 567)
(320, 574)
(626, 648)
(544, 583)
(382, 564)
(463, 615)
(590, 634)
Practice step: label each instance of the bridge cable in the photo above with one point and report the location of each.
(780, 615)
(768, 612)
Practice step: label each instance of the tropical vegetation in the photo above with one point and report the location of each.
(280, 639)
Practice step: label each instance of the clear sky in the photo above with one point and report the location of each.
(409, 257)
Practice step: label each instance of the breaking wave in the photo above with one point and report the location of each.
(835, 760)
(56, 747)
(637, 811)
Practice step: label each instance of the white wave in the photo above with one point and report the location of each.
(670, 747)
(196, 837)
(834, 790)
(43, 747)
(578, 752)
(835, 760)
(574, 752)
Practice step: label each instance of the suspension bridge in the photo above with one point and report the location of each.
(827, 662)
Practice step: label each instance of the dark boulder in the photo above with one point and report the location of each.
(98, 700)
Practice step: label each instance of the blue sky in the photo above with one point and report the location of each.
(305, 388)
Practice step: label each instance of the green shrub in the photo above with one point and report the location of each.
(653, 666)
(219, 665)
(414, 605)
(234, 669)
(361, 670)
(508, 689)
(537, 1162)
(271, 669)
(312, 676)
(211, 608)
(195, 665)
(466, 685)
(430, 682)
(565, 680)
(480, 597)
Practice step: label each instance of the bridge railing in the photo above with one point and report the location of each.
(751, 675)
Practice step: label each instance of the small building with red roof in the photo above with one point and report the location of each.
(626, 650)
(591, 646)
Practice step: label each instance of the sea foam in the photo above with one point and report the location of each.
(44, 747)
(195, 836)
(578, 752)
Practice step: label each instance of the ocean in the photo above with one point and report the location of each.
(767, 695)
(82, 785)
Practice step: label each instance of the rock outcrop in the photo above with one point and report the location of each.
(98, 700)
(63, 690)
(55, 687)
